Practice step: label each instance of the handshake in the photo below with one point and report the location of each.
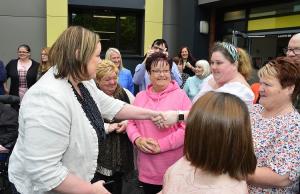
(168, 118)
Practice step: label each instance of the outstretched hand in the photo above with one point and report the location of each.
(165, 119)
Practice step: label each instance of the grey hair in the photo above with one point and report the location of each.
(205, 65)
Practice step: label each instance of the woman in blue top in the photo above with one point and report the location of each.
(193, 84)
(125, 77)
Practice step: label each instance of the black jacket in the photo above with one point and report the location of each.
(12, 72)
(8, 126)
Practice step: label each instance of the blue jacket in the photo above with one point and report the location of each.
(125, 79)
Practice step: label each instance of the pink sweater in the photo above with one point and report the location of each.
(153, 166)
(183, 178)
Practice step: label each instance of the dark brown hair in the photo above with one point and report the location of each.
(218, 136)
(72, 51)
(190, 58)
(154, 58)
(286, 70)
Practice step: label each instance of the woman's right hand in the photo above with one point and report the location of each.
(99, 188)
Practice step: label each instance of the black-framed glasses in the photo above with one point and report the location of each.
(157, 72)
(158, 48)
(295, 50)
(23, 52)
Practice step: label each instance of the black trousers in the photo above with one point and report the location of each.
(151, 189)
(116, 186)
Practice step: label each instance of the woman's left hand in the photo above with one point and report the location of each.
(121, 128)
(155, 146)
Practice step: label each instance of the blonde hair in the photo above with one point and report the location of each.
(44, 66)
(205, 65)
(267, 71)
(244, 63)
(286, 70)
(105, 67)
(72, 51)
(113, 50)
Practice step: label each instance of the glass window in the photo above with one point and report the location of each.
(277, 9)
(234, 15)
(117, 28)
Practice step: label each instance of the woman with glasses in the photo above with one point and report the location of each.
(44, 65)
(158, 149)
(22, 72)
(61, 121)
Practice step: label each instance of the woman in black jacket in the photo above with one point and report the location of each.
(22, 72)
(8, 127)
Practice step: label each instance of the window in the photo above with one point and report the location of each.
(119, 29)
(273, 10)
(235, 15)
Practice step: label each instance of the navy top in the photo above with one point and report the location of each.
(2, 77)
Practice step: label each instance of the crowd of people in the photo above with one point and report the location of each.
(192, 127)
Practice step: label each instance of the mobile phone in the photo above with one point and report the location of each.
(108, 185)
(108, 182)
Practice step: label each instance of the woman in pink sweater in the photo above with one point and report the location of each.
(158, 149)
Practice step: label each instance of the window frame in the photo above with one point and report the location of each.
(118, 13)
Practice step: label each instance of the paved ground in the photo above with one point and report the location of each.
(130, 186)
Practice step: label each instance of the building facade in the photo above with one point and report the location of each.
(132, 25)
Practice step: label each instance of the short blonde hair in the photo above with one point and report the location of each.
(286, 70)
(106, 66)
(113, 50)
(72, 51)
(205, 65)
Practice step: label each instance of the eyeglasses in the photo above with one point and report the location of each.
(158, 48)
(158, 72)
(296, 50)
(23, 52)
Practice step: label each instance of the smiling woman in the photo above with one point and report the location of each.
(61, 121)
(116, 160)
(22, 72)
(228, 73)
(159, 71)
(158, 149)
(276, 129)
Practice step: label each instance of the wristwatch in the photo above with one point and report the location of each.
(180, 116)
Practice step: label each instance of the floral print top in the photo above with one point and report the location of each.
(277, 146)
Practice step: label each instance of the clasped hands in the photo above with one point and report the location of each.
(118, 127)
(147, 145)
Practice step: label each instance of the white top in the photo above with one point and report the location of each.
(55, 136)
(236, 88)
